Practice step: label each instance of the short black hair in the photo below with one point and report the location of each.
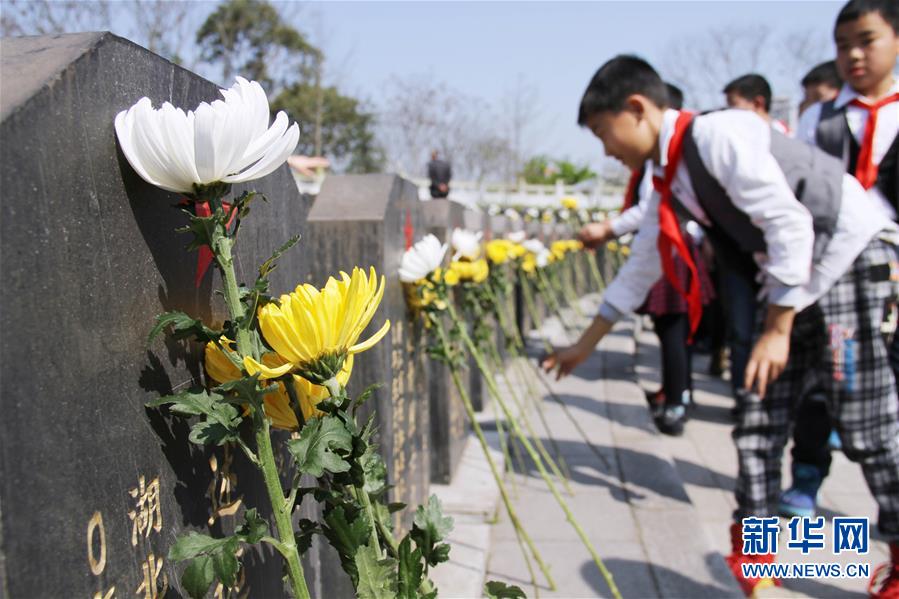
(825, 73)
(675, 96)
(615, 81)
(854, 9)
(750, 87)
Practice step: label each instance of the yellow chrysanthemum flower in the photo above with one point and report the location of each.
(625, 250)
(612, 246)
(313, 330)
(569, 203)
(499, 250)
(547, 217)
(517, 250)
(475, 272)
(529, 263)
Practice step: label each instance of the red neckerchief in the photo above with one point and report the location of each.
(865, 169)
(670, 235)
(630, 194)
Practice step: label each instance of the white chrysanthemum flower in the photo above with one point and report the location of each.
(422, 259)
(517, 236)
(494, 209)
(512, 214)
(534, 246)
(583, 214)
(543, 258)
(533, 212)
(564, 214)
(227, 141)
(466, 243)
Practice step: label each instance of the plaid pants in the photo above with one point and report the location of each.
(863, 404)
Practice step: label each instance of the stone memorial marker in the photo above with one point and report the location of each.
(449, 423)
(475, 221)
(94, 487)
(370, 220)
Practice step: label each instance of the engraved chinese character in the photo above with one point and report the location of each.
(97, 563)
(148, 513)
(151, 583)
(222, 486)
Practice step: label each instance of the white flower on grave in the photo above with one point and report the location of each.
(466, 243)
(512, 214)
(564, 214)
(533, 212)
(422, 259)
(227, 141)
(516, 236)
(494, 209)
(534, 246)
(583, 214)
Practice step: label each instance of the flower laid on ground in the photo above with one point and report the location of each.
(227, 141)
(466, 243)
(313, 330)
(569, 203)
(422, 259)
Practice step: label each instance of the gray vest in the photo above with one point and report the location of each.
(815, 177)
(834, 137)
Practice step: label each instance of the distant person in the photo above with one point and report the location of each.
(821, 84)
(753, 92)
(439, 172)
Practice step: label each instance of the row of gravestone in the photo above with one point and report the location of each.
(94, 488)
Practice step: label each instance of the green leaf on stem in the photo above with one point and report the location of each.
(221, 418)
(500, 590)
(315, 451)
(254, 527)
(430, 527)
(346, 537)
(183, 326)
(365, 396)
(375, 471)
(377, 577)
(194, 544)
(198, 577)
(247, 390)
(269, 265)
(206, 230)
(410, 570)
(303, 537)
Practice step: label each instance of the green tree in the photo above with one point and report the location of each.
(542, 170)
(347, 129)
(250, 38)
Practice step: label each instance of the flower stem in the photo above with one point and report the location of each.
(469, 410)
(223, 256)
(280, 509)
(531, 306)
(491, 384)
(336, 391)
(265, 458)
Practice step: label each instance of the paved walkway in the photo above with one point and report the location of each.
(656, 508)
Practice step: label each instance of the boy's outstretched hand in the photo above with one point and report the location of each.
(565, 360)
(595, 234)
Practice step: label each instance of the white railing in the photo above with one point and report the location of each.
(597, 193)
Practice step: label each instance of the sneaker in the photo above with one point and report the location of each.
(655, 398)
(671, 419)
(736, 560)
(885, 580)
(802, 497)
(834, 441)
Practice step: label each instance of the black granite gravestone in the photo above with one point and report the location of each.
(370, 220)
(449, 424)
(94, 488)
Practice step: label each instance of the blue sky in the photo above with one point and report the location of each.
(480, 48)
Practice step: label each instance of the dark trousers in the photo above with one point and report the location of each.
(672, 330)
